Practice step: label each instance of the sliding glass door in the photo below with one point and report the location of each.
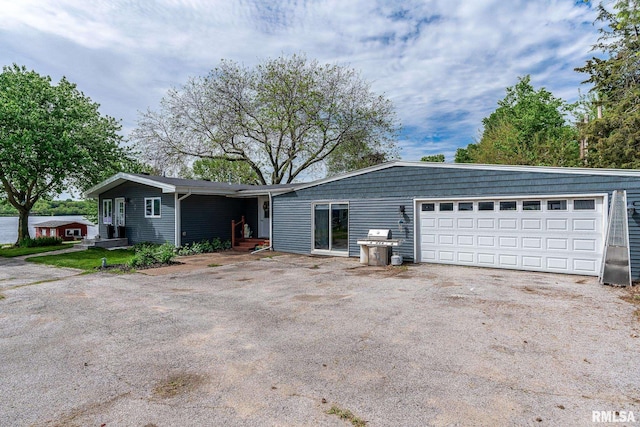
(331, 228)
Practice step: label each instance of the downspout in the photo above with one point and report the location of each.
(178, 219)
(270, 247)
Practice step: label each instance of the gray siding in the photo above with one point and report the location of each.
(374, 199)
(138, 228)
(207, 217)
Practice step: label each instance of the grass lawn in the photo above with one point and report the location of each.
(85, 260)
(11, 252)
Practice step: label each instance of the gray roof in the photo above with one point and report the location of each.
(183, 186)
(54, 224)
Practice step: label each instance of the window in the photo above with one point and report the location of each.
(107, 211)
(445, 207)
(465, 206)
(557, 205)
(531, 205)
(152, 207)
(584, 205)
(428, 207)
(72, 232)
(485, 206)
(331, 227)
(508, 206)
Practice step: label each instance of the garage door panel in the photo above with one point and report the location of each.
(557, 263)
(557, 224)
(465, 240)
(486, 223)
(486, 259)
(428, 223)
(585, 265)
(531, 224)
(508, 242)
(446, 239)
(445, 222)
(562, 241)
(508, 224)
(532, 243)
(557, 244)
(584, 224)
(531, 261)
(465, 223)
(428, 239)
(446, 255)
(588, 245)
(466, 257)
(509, 261)
(428, 255)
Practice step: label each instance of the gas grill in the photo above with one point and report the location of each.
(374, 249)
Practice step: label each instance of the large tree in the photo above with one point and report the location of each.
(282, 118)
(52, 137)
(529, 127)
(613, 136)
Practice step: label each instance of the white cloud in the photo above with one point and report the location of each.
(444, 64)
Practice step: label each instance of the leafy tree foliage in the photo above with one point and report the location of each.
(51, 137)
(439, 158)
(527, 128)
(220, 170)
(614, 138)
(283, 117)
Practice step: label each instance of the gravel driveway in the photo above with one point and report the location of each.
(279, 341)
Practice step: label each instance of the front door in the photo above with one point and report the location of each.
(119, 217)
(264, 212)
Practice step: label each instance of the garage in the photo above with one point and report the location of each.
(553, 234)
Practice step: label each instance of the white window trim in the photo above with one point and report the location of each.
(153, 214)
(107, 220)
(344, 253)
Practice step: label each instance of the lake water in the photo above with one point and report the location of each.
(9, 225)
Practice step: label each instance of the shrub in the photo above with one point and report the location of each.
(164, 253)
(204, 246)
(40, 241)
(149, 254)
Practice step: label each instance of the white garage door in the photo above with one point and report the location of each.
(561, 235)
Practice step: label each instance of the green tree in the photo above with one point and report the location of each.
(614, 137)
(438, 158)
(220, 170)
(51, 137)
(283, 118)
(528, 128)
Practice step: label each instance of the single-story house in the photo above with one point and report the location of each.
(66, 230)
(159, 209)
(518, 217)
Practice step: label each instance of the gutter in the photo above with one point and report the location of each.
(178, 218)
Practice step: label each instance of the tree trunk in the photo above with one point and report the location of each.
(23, 225)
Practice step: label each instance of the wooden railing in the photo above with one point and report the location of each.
(234, 224)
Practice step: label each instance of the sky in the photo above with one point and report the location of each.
(443, 63)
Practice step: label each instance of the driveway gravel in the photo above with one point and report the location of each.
(280, 340)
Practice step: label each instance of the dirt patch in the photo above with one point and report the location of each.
(177, 384)
(206, 261)
(632, 295)
(401, 271)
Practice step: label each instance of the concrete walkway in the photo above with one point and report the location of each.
(15, 272)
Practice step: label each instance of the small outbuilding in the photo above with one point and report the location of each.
(66, 230)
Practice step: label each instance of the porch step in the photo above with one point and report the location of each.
(250, 244)
(104, 243)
